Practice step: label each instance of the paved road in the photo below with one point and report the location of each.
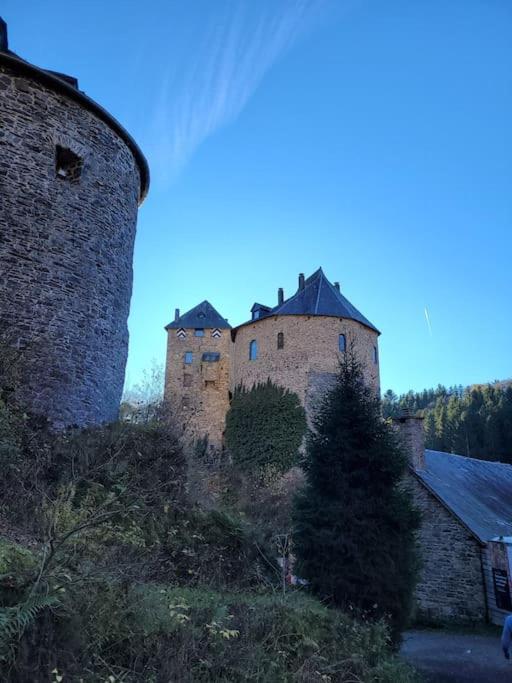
(456, 658)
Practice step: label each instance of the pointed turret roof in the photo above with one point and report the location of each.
(319, 297)
(203, 315)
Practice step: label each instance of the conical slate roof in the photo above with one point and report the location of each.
(201, 316)
(320, 297)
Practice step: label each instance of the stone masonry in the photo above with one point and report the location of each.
(451, 585)
(70, 183)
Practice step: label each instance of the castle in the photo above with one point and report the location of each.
(71, 180)
(296, 344)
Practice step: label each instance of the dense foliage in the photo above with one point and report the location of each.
(108, 572)
(265, 426)
(354, 522)
(476, 421)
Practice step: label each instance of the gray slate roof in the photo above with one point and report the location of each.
(479, 492)
(320, 297)
(203, 315)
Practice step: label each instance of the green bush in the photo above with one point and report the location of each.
(265, 426)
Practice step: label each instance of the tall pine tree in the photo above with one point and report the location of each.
(354, 520)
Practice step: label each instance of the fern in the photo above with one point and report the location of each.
(15, 620)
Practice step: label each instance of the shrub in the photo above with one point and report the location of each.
(265, 426)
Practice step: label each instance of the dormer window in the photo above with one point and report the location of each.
(199, 332)
(342, 343)
(253, 350)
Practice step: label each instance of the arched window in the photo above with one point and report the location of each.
(342, 343)
(253, 350)
(280, 340)
(375, 355)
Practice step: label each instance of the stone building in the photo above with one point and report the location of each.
(466, 506)
(71, 180)
(297, 344)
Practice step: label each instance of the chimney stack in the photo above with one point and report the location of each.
(410, 429)
(301, 280)
(176, 314)
(337, 286)
(280, 296)
(4, 43)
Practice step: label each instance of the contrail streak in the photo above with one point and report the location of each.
(427, 318)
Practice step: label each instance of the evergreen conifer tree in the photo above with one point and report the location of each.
(354, 520)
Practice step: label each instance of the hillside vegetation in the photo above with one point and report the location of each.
(109, 572)
(475, 421)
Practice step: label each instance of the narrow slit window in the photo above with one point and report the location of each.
(188, 357)
(375, 355)
(280, 340)
(68, 165)
(253, 350)
(342, 343)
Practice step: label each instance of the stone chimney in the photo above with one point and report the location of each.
(280, 296)
(176, 314)
(410, 429)
(301, 280)
(337, 286)
(4, 43)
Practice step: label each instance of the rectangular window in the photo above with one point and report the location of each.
(199, 332)
(187, 380)
(188, 357)
(342, 343)
(280, 340)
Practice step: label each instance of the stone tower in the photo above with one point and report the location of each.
(71, 180)
(197, 373)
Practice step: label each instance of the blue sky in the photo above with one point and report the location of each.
(372, 138)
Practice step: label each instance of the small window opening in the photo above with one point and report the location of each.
(209, 384)
(188, 357)
(253, 350)
(199, 332)
(342, 343)
(375, 355)
(68, 165)
(185, 402)
(187, 380)
(280, 340)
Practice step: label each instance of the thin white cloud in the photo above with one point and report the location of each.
(211, 85)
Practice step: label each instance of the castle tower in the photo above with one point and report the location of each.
(197, 373)
(299, 343)
(71, 179)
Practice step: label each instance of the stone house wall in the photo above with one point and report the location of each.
(66, 246)
(451, 585)
(199, 393)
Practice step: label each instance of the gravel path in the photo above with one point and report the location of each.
(457, 658)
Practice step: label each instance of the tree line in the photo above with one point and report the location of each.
(475, 421)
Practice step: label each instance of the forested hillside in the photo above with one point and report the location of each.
(474, 421)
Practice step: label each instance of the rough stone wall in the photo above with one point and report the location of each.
(310, 355)
(451, 583)
(198, 393)
(65, 252)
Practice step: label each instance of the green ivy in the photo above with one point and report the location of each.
(265, 426)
